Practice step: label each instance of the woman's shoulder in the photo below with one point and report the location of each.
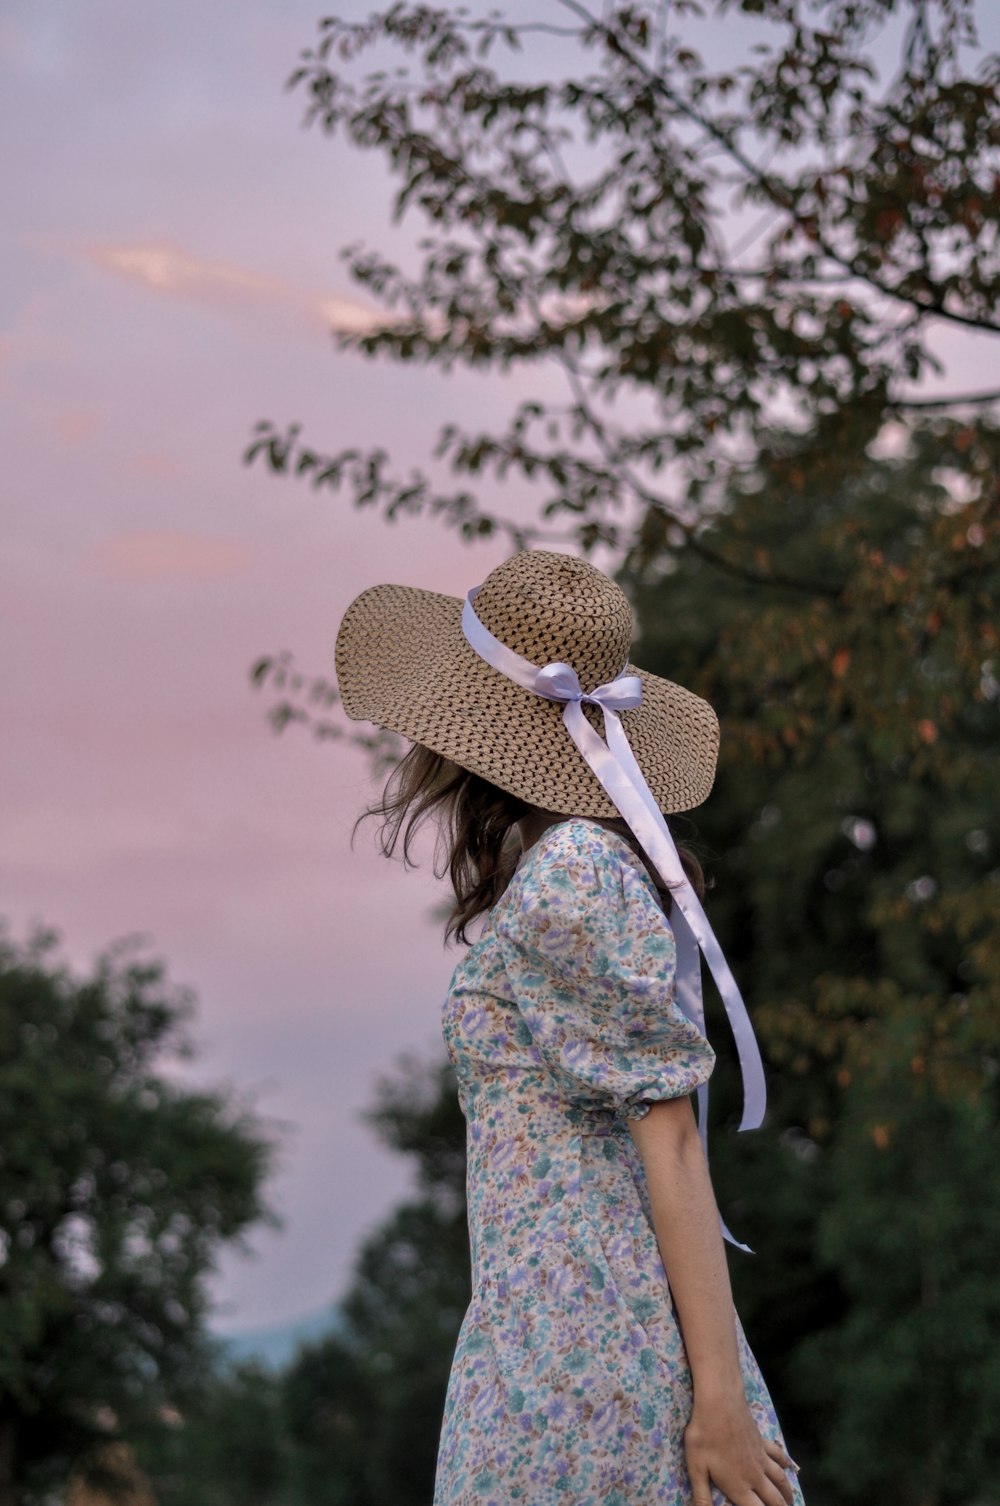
(580, 851)
(583, 877)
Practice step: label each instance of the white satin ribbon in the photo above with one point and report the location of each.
(614, 765)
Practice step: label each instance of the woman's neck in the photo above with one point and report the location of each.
(532, 826)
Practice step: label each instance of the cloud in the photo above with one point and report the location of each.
(36, 338)
(154, 465)
(165, 269)
(12, 40)
(170, 272)
(75, 425)
(147, 556)
(349, 318)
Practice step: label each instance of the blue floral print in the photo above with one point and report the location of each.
(570, 1385)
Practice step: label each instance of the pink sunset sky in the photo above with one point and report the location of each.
(171, 268)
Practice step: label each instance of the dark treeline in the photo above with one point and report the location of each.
(354, 1418)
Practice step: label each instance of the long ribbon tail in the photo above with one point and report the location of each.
(689, 999)
(687, 991)
(614, 765)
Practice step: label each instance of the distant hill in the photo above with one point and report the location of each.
(276, 1345)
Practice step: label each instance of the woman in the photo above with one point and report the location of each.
(600, 1362)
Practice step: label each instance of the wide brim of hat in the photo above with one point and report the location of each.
(403, 662)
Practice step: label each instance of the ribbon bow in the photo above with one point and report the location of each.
(560, 682)
(613, 764)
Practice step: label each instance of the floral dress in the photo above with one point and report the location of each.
(570, 1384)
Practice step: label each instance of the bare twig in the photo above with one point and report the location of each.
(958, 400)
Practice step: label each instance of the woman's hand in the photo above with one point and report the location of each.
(723, 1447)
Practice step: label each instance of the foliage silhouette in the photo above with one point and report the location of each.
(118, 1186)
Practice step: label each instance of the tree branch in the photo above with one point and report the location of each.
(784, 198)
(960, 400)
(656, 503)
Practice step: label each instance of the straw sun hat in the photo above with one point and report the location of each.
(404, 663)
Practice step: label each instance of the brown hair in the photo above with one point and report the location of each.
(477, 845)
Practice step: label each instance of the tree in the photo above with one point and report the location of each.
(852, 841)
(364, 1405)
(231, 1449)
(118, 1185)
(700, 254)
(596, 223)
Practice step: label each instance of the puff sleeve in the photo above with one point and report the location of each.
(590, 959)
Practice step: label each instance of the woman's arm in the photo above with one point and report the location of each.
(722, 1443)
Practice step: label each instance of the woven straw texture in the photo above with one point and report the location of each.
(403, 663)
